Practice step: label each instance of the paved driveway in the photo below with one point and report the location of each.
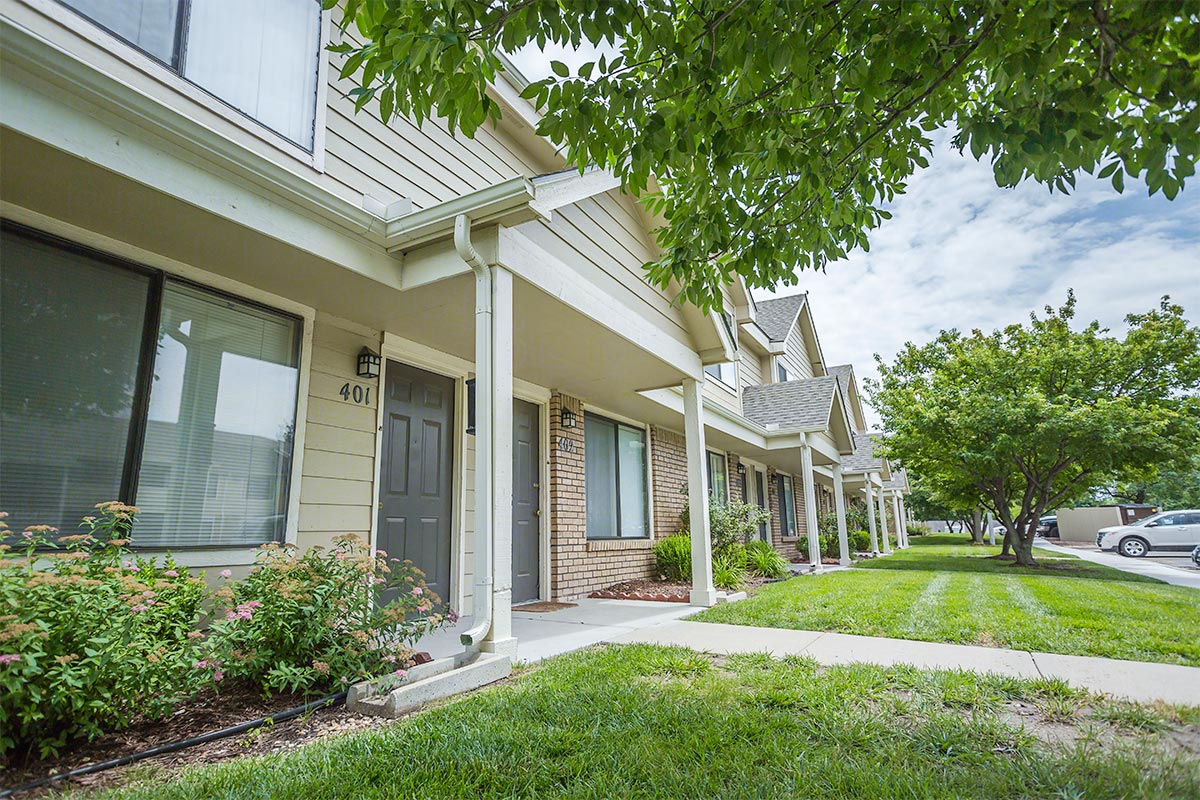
(1171, 569)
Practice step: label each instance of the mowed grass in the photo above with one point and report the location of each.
(944, 590)
(650, 722)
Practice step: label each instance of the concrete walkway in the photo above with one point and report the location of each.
(1135, 680)
(1138, 566)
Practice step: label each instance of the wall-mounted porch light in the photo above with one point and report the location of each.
(368, 363)
(568, 418)
(741, 469)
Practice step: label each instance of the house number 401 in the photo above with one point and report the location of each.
(356, 394)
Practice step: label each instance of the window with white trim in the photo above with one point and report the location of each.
(781, 373)
(615, 479)
(726, 373)
(718, 477)
(118, 382)
(260, 57)
(787, 505)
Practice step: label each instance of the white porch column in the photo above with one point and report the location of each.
(871, 514)
(839, 507)
(703, 592)
(810, 508)
(901, 532)
(500, 639)
(883, 530)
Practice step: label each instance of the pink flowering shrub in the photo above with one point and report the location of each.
(322, 619)
(90, 635)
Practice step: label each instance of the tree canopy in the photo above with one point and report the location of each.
(1021, 419)
(771, 136)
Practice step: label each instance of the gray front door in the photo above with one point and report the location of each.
(527, 503)
(416, 477)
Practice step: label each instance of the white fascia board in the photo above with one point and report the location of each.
(751, 330)
(727, 351)
(716, 417)
(569, 187)
(522, 256)
(31, 62)
(507, 202)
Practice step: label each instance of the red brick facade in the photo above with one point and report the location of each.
(579, 566)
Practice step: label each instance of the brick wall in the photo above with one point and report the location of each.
(787, 548)
(579, 566)
(668, 472)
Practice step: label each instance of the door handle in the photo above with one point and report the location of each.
(537, 512)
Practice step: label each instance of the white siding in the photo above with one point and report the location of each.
(796, 359)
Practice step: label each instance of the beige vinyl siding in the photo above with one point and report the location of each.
(336, 490)
(606, 241)
(750, 370)
(796, 359)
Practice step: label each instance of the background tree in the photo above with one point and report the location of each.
(1020, 419)
(1169, 487)
(777, 132)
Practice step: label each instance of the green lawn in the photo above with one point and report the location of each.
(648, 722)
(941, 590)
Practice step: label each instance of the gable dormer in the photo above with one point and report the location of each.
(795, 350)
(849, 386)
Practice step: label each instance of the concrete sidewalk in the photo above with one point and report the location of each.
(1138, 566)
(1134, 680)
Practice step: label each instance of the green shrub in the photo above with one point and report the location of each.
(917, 529)
(312, 622)
(90, 635)
(729, 567)
(762, 559)
(673, 558)
(732, 523)
(856, 519)
(860, 542)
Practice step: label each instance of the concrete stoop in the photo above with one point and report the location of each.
(730, 597)
(424, 683)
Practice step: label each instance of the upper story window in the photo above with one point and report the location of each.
(725, 373)
(781, 372)
(260, 57)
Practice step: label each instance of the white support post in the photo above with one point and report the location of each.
(883, 529)
(839, 507)
(907, 521)
(901, 533)
(991, 529)
(871, 514)
(810, 508)
(500, 639)
(703, 592)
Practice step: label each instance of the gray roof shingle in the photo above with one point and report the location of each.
(804, 404)
(864, 458)
(777, 315)
(899, 480)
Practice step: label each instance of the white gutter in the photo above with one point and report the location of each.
(482, 618)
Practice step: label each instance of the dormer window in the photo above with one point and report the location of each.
(261, 58)
(781, 372)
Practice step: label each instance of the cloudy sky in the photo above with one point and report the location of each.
(960, 252)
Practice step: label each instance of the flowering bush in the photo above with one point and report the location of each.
(315, 621)
(89, 634)
(92, 635)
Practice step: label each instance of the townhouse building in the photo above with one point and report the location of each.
(231, 300)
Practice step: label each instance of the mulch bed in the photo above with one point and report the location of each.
(662, 591)
(209, 711)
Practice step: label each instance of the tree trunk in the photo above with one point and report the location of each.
(976, 524)
(1023, 549)
(1009, 542)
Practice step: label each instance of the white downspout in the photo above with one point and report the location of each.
(482, 618)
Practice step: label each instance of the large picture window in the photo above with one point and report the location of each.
(117, 382)
(615, 464)
(787, 506)
(260, 57)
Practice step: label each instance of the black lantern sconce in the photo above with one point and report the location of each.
(471, 406)
(568, 418)
(741, 469)
(368, 363)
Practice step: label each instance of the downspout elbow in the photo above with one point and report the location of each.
(481, 621)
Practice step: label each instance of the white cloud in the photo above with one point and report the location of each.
(962, 253)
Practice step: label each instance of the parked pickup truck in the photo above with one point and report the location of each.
(1165, 531)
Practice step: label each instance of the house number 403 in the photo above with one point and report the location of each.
(356, 394)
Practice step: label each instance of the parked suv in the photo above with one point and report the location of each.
(1166, 530)
(1048, 526)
